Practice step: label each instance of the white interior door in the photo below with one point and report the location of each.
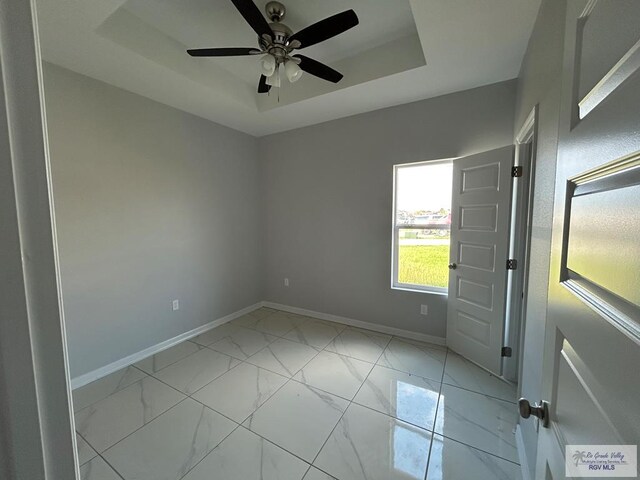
(592, 341)
(479, 246)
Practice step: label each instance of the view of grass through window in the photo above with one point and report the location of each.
(422, 224)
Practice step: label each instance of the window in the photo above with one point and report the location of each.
(422, 225)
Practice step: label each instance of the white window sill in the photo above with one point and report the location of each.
(419, 290)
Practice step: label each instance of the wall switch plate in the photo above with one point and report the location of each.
(175, 305)
(286, 282)
(424, 309)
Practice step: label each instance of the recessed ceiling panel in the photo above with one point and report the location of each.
(384, 43)
(402, 51)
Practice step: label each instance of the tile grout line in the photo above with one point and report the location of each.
(456, 439)
(291, 378)
(435, 420)
(285, 383)
(348, 406)
(209, 453)
(277, 337)
(308, 386)
(147, 374)
(189, 395)
(352, 401)
(367, 407)
(110, 466)
(141, 427)
(240, 425)
(200, 347)
(186, 396)
(128, 435)
(375, 363)
(493, 397)
(113, 392)
(96, 452)
(442, 377)
(476, 448)
(101, 454)
(259, 367)
(240, 362)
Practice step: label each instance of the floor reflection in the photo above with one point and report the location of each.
(415, 404)
(409, 451)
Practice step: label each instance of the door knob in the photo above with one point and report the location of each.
(541, 411)
(452, 266)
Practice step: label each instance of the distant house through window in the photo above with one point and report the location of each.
(422, 225)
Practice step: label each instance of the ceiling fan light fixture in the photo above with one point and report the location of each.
(292, 70)
(277, 42)
(274, 79)
(268, 65)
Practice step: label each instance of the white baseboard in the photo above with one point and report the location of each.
(359, 323)
(98, 373)
(89, 377)
(522, 454)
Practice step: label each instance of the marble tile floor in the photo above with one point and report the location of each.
(278, 396)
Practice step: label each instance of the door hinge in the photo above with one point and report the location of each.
(516, 172)
(506, 351)
(512, 264)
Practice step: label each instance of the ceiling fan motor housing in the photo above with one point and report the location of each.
(277, 44)
(281, 33)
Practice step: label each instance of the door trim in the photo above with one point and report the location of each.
(519, 246)
(37, 435)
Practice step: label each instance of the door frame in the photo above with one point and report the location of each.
(520, 246)
(37, 439)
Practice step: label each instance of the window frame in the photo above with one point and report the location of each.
(395, 284)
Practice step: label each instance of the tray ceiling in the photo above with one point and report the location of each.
(400, 52)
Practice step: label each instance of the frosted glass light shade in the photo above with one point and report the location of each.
(268, 65)
(293, 71)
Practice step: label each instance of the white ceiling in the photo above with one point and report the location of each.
(402, 51)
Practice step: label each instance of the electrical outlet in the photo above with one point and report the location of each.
(175, 305)
(424, 309)
(286, 282)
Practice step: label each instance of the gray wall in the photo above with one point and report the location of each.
(152, 204)
(327, 193)
(539, 84)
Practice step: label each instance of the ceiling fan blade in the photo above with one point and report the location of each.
(262, 85)
(318, 69)
(222, 52)
(254, 18)
(325, 29)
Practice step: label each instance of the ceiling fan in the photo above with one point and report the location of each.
(277, 42)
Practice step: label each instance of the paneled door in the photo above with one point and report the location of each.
(479, 247)
(591, 369)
